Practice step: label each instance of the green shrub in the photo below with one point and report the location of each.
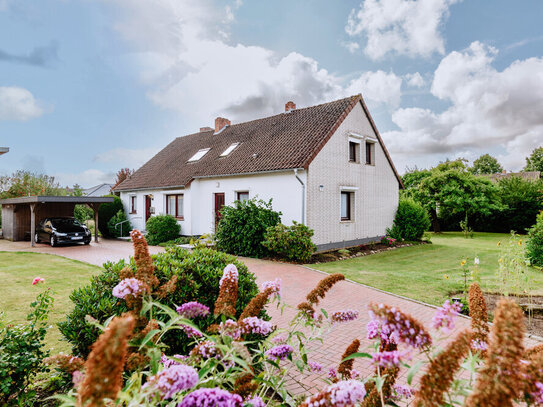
(290, 242)
(242, 227)
(198, 275)
(121, 230)
(106, 212)
(177, 241)
(21, 349)
(162, 228)
(534, 246)
(410, 222)
(83, 213)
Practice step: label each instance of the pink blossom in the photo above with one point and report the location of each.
(192, 310)
(279, 352)
(346, 393)
(191, 332)
(280, 339)
(388, 359)
(332, 374)
(478, 345)
(77, 378)
(230, 273)
(172, 380)
(444, 317)
(230, 328)
(255, 401)
(37, 280)
(344, 316)
(167, 361)
(255, 325)
(128, 286)
(275, 285)
(314, 366)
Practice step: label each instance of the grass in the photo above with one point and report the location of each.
(17, 270)
(419, 272)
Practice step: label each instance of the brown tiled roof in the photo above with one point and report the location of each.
(284, 141)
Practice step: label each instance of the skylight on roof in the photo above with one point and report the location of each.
(230, 148)
(199, 154)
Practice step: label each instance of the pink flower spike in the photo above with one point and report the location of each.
(37, 280)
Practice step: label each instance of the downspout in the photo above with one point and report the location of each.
(303, 194)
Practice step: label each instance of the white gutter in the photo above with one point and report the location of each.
(303, 194)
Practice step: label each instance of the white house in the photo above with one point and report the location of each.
(325, 166)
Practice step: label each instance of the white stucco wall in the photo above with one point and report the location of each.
(282, 187)
(158, 202)
(375, 187)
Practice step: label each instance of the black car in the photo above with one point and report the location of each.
(62, 230)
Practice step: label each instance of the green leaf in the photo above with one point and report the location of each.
(357, 355)
(413, 371)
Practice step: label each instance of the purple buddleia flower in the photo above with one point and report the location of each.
(255, 325)
(192, 310)
(172, 380)
(344, 316)
(275, 285)
(314, 366)
(445, 316)
(478, 345)
(279, 352)
(211, 398)
(230, 328)
(230, 273)
(191, 332)
(404, 392)
(255, 401)
(388, 359)
(346, 393)
(128, 286)
(167, 362)
(280, 339)
(332, 374)
(538, 394)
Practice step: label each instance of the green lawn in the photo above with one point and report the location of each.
(17, 270)
(418, 271)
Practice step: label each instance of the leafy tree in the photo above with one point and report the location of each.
(26, 183)
(535, 161)
(82, 212)
(123, 174)
(413, 177)
(486, 164)
(452, 189)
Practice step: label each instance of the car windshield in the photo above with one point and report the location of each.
(65, 222)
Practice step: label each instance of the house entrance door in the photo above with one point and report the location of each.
(219, 203)
(147, 207)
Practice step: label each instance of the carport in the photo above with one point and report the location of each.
(19, 215)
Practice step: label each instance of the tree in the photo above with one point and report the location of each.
(535, 161)
(123, 174)
(452, 189)
(26, 183)
(486, 164)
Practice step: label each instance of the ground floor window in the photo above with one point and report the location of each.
(174, 205)
(346, 205)
(242, 195)
(133, 204)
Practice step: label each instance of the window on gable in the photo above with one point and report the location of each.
(353, 149)
(230, 148)
(174, 205)
(133, 204)
(370, 153)
(199, 154)
(346, 205)
(242, 195)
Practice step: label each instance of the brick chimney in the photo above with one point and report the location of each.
(220, 123)
(290, 106)
(207, 128)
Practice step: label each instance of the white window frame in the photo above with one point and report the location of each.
(230, 148)
(132, 199)
(198, 155)
(352, 192)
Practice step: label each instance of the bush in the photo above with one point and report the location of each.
(83, 213)
(290, 242)
(534, 246)
(162, 228)
(243, 226)
(21, 349)
(106, 212)
(121, 230)
(198, 275)
(410, 222)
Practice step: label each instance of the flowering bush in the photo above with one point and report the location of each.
(225, 368)
(389, 241)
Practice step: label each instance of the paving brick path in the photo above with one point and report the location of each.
(297, 281)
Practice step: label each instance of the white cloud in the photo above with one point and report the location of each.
(378, 86)
(351, 46)
(18, 104)
(85, 179)
(183, 55)
(405, 27)
(415, 80)
(490, 110)
(126, 157)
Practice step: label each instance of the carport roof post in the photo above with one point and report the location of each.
(34, 201)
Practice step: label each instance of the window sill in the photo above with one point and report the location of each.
(346, 221)
(370, 165)
(179, 218)
(354, 162)
(132, 213)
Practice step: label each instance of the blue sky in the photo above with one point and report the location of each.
(90, 86)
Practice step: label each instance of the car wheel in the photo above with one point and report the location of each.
(36, 238)
(53, 241)
(87, 242)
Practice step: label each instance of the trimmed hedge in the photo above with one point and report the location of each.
(534, 246)
(198, 275)
(161, 228)
(243, 226)
(410, 222)
(290, 242)
(106, 212)
(116, 231)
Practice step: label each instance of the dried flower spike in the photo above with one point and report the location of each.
(346, 366)
(478, 313)
(322, 288)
